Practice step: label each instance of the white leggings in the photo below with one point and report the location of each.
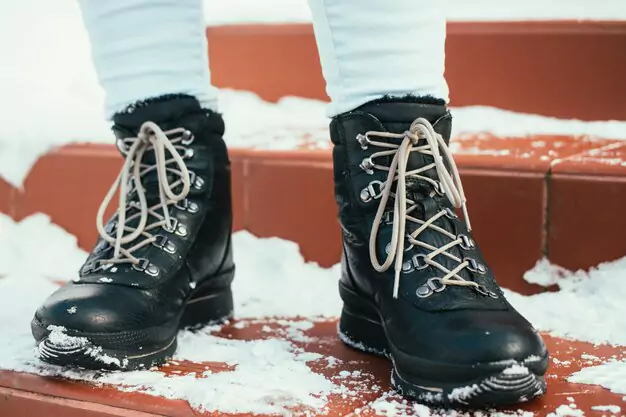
(368, 49)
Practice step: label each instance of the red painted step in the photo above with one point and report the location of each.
(565, 69)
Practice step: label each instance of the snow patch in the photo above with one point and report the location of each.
(58, 337)
(545, 273)
(599, 293)
(567, 411)
(463, 393)
(269, 284)
(269, 376)
(36, 234)
(610, 408)
(505, 123)
(516, 370)
(390, 404)
(610, 375)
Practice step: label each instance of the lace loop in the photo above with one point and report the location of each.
(150, 138)
(448, 183)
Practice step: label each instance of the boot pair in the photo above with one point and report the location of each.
(414, 284)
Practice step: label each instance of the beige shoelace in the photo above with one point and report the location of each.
(150, 137)
(449, 184)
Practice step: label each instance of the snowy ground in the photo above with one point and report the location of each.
(287, 380)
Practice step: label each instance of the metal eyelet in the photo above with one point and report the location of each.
(432, 286)
(475, 266)
(417, 262)
(450, 213)
(145, 266)
(467, 243)
(181, 230)
(407, 267)
(481, 289)
(369, 193)
(187, 205)
(198, 184)
(187, 138)
(121, 146)
(196, 181)
(164, 244)
(423, 291)
(367, 165)
(192, 207)
(363, 141)
(177, 228)
(420, 261)
(95, 266)
(172, 228)
(88, 268)
(406, 248)
(189, 153)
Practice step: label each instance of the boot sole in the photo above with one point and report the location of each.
(87, 352)
(361, 328)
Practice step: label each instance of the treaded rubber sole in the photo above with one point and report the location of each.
(85, 351)
(501, 387)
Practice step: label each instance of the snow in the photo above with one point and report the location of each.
(463, 393)
(269, 376)
(610, 408)
(599, 293)
(503, 123)
(282, 292)
(567, 411)
(545, 273)
(610, 375)
(52, 96)
(34, 234)
(516, 370)
(307, 295)
(59, 338)
(390, 404)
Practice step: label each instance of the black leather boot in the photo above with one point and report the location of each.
(414, 284)
(164, 260)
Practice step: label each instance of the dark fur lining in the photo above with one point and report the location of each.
(143, 103)
(410, 98)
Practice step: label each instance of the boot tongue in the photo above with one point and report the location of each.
(397, 117)
(168, 112)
